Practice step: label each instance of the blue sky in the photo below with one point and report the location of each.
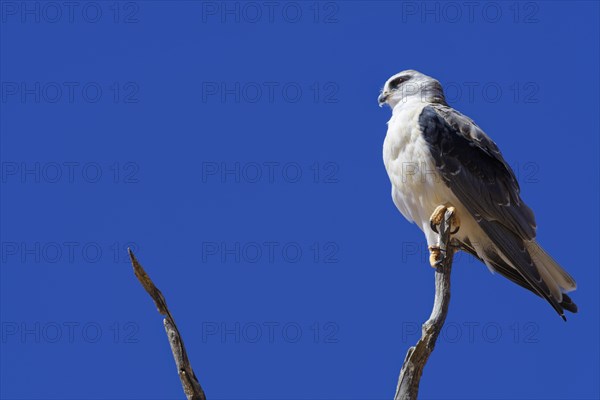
(237, 148)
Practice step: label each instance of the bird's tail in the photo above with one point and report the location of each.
(558, 280)
(554, 280)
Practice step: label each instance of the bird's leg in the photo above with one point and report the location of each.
(435, 253)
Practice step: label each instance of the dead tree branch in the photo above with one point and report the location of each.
(191, 386)
(417, 356)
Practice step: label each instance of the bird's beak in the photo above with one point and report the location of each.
(382, 98)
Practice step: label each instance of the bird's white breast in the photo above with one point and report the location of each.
(417, 189)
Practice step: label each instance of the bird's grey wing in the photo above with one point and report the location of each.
(471, 165)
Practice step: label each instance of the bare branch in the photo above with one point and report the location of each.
(417, 356)
(191, 386)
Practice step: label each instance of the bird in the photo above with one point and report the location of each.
(438, 159)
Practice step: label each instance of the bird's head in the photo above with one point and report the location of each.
(409, 85)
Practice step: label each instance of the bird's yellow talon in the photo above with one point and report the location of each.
(436, 218)
(435, 256)
(438, 215)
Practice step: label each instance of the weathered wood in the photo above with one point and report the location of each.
(417, 356)
(189, 382)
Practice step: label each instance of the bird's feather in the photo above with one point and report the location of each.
(500, 266)
(473, 167)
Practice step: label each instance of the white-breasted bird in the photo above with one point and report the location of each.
(437, 158)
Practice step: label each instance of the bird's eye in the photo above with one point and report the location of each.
(397, 81)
